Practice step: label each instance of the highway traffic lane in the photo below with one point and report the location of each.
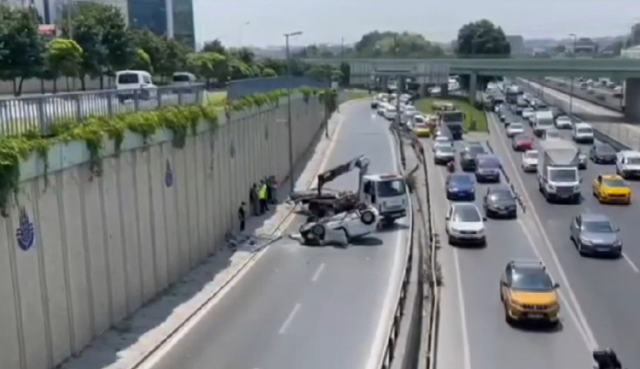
(608, 98)
(478, 336)
(302, 306)
(607, 290)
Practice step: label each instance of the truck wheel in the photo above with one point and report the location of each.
(367, 217)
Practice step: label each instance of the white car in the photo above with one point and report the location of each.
(582, 133)
(515, 129)
(443, 154)
(440, 139)
(527, 113)
(465, 224)
(438, 145)
(382, 107)
(564, 122)
(390, 112)
(628, 164)
(341, 228)
(529, 161)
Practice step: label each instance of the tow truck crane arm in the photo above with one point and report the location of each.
(361, 163)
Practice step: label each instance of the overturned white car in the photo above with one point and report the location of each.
(341, 228)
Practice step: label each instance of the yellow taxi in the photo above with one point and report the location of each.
(612, 188)
(529, 294)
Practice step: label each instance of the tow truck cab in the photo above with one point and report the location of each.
(388, 193)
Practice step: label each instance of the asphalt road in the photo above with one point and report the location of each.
(606, 291)
(607, 99)
(306, 307)
(473, 333)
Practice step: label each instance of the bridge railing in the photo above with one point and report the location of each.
(35, 114)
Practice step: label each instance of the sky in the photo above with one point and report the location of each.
(263, 22)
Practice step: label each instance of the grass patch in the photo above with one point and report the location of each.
(471, 112)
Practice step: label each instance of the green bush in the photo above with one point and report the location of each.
(181, 120)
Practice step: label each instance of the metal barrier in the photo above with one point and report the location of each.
(244, 87)
(36, 113)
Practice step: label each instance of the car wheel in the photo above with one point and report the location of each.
(319, 231)
(367, 217)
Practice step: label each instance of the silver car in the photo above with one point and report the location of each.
(593, 234)
(444, 154)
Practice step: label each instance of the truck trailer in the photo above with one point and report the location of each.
(558, 172)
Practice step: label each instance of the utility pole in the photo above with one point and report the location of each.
(573, 52)
(292, 181)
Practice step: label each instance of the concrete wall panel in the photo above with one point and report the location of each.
(157, 182)
(114, 238)
(11, 346)
(106, 244)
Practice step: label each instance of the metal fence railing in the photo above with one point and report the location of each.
(244, 87)
(36, 113)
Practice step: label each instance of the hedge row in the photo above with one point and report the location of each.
(179, 119)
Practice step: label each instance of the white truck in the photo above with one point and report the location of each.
(542, 120)
(558, 173)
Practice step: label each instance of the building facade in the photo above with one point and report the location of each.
(173, 18)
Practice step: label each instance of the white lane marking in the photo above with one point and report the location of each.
(578, 315)
(631, 263)
(461, 305)
(165, 348)
(318, 272)
(287, 322)
(388, 303)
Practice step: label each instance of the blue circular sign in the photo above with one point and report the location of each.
(168, 175)
(25, 234)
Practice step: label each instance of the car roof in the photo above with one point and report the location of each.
(464, 205)
(499, 188)
(611, 176)
(630, 154)
(460, 175)
(582, 125)
(527, 264)
(488, 156)
(591, 217)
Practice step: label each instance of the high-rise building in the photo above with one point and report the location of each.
(51, 10)
(173, 18)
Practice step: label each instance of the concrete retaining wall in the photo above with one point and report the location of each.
(80, 253)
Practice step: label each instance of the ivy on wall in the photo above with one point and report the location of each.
(181, 120)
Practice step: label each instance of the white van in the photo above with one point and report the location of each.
(628, 164)
(542, 120)
(583, 133)
(130, 81)
(183, 79)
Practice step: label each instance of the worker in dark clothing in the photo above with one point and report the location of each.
(242, 216)
(271, 190)
(253, 198)
(262, 196)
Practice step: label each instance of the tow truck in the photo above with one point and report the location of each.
(385, 192)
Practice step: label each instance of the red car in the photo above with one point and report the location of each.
(522, 142)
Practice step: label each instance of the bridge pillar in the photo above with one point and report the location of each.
(473, 86)
(632, 100)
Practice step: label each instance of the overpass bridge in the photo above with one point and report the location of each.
(424, 71)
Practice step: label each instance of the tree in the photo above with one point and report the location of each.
(345, 68)
(175, 58)
(152, 45)
(559, 49)
(117, 41)
(23, 46)
(482, 38)
(214, 46)
(63, 58)
(141, 61)
(268, 72)
(208, 65)
(396, 45)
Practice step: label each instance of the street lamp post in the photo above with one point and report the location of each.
(292, 182)
(573, 52)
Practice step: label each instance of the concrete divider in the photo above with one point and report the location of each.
(80, 253)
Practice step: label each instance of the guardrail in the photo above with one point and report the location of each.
(387, 352)
(23, 115)
(592, 99)
(599, 133)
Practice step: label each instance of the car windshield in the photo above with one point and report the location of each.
(563, 175)
(442, 139)
(633, 160)
(522, 138)
(502, 194)
(615, 183)
(466, 214)
(601, 226)
(475, 150)
(584, 130)
(418, 119)
(391, 108)
(461, 180)
(564, 119)
(489, 162)
(181, 78)
(128, 78)
(445, 149)
(531, 155)
(605, 149)
(516, 126)
(532, 280)
(391, 188)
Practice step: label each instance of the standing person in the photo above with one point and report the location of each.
(242, 216)
(262, 195)
(253, 198)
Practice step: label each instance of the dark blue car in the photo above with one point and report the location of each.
(487, 168)
(461, 186)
